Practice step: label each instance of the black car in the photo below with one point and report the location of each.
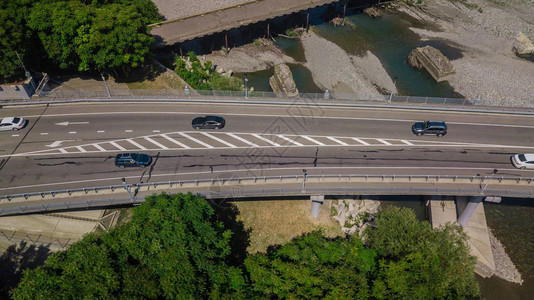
(430, 128)
(208, 122)
(124, 160)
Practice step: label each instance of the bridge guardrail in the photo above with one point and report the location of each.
(281, 180)
(61, 96)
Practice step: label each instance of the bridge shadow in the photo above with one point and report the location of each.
(16, 259)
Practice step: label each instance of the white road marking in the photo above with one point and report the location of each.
(117, 146)
(97, 146)
(44, 133)
(81, 149)
(155, 131)
(175, 141)
(361, 142)
(57, 143)
(72, 132)
(15, 134)
(128, 130)
(407, 143)
(101, 131)
(289, 140)
(67, 123)
(265, 140)
(195, 140)
(242, 139)
(337, 141)
(219, 140)
(383, 141)
(136, 144)
(312, 140)
(155, 143)
(63, 150)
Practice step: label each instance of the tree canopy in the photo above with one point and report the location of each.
(97, 35)
(172, 248)
(175, 248)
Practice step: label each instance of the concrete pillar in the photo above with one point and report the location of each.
(317, 202)
(469, 210)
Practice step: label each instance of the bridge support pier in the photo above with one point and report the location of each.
(317, 202)
(469, 210)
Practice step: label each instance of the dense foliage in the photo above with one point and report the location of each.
(173, 248)
(201, 76)
(97, 35)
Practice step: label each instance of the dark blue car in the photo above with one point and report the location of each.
(124, 160)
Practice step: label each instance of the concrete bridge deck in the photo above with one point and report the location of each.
(184, 29)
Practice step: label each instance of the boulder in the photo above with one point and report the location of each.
(282, 82)
(522, 45)
(432, 60)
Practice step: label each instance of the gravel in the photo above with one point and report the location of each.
(175, 9)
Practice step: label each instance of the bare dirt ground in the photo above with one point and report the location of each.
(276, 222)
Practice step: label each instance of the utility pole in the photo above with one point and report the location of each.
(107, 88)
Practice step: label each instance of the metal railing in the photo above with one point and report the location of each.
(169, 94)
(287, 179)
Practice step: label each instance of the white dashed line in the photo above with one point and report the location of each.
(136, 144)
(312, 140)
(266, 140)
(97, 146)
(44, 133)
(156, 143)
(219, 140)
(383, 141)
(175, 141)
(155, 131)
(289, 140)
(195, 140)
(242, 139)
(406, 142)
(72, 132)
(128, 130)
(15, 134)
(361, 142)
(337, 141)
(117, 146)
(101, 131)
(81, 149)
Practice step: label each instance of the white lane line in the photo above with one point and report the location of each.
(101, 131)
(63, 150)
(242, 139)
(265, 140)
(383, 141)
(136, 144)
(15, 134)
(155, 131)
(406, 142)
(155, 143)
(81, 149)
(97, 146)
(361, 142)
(219, 140)
(289, 140)
(312, 140)
(195, 140)
(175, 141)
(117, 146)
(128, 130)
(337, 141)
(44, 133)
(72, 132)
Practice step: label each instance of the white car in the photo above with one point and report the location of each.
(523, 161)
(12, 123)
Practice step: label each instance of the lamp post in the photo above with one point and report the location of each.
(394, 85)
(127, 187)
(485, 186)
(246, 87)
(303, 190)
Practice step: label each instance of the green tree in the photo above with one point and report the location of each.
(419, 262)
(312, 266)
(172, 248)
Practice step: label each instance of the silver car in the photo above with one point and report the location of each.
(12, 123)
(523, 161)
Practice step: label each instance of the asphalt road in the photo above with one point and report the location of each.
(50, 154)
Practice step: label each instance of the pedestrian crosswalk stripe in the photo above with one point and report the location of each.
(156, 143)
(99, 147)
(219, 140)
(81, 149)
(175, 141)
(312, 140)
(383, 141)
(266, 140)
(195, 140)
(337, 141)
(63, 150)
(242, 139)
(136, 144)
(117, 146)
(361, 142)
(406, 142)
(289, 140)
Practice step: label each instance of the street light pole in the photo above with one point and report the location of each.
(303, 190)
(127, 187)
(246, 87)
(485, 186)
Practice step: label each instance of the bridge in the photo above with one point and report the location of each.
(188, 28)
